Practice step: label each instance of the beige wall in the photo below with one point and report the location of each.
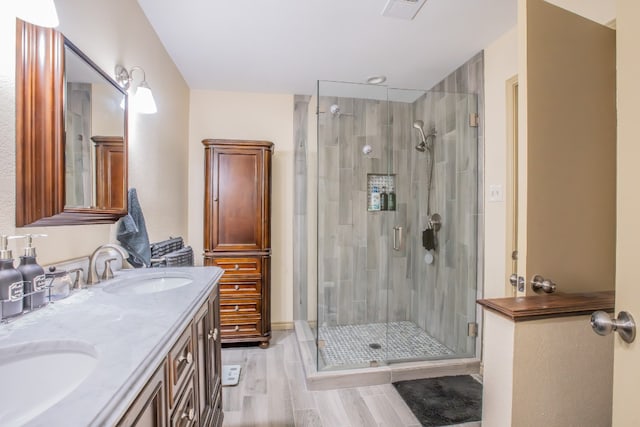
(500, 64)
(110, 33)
(602, 11)
(236, 115)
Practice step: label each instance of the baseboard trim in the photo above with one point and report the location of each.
(281, 326)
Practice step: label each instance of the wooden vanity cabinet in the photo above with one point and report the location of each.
(207, 332)
(186, 390)
(237, 235)
(150, 407)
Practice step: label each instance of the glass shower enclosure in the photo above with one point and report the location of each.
(393, 193)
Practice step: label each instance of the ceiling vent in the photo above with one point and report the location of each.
(403, 9)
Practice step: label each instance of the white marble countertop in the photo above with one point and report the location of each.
(131, 335)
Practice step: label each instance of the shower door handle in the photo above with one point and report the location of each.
(397, 238)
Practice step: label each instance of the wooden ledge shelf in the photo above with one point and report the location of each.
(549, 306)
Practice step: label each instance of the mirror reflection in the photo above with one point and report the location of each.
(94, 136)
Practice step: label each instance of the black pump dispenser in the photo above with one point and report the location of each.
(33, 276)
(11, 286)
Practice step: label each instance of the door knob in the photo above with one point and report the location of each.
(603, 325)
(540, 284)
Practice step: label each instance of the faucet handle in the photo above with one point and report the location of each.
(108, 272)
(78, 282)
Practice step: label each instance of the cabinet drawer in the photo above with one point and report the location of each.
(249, 306)
(245, 266)
(233, 326)
(240, 287)
(181, 364)
(185, 413)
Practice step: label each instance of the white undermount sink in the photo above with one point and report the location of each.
(35, 376)
(147, 285)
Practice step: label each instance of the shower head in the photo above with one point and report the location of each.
(419, 124)
(426, 141)
(336, 111)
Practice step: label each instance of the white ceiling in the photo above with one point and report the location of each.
(284, 46)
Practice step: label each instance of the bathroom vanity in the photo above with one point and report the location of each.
(142, 349)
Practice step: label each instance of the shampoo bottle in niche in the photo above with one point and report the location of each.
(391, 204)
(33, 276)
(11, 286)
(384, 199)
(375, 199)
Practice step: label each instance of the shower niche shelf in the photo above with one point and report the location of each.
(383, 183)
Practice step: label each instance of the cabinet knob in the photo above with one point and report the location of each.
(190, 414)
(236, 287)
(236, 267)
(188, 358)
(237, 328)
(237, 308)
(213, 335)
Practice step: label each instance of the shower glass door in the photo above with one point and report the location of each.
(432, 285)
(397, 213)
(353, 241)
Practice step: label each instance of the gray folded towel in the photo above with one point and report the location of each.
(132, 233)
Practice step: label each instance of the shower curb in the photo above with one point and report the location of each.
(384, 374)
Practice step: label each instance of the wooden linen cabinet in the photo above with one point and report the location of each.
(237, 235)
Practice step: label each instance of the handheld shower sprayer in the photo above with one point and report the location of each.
(419, 124)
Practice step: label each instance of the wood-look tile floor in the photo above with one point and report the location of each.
(272, 392)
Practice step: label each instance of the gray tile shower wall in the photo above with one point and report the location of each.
(361, 279)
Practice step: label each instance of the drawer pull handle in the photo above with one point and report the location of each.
(237, 308)
(236, 287)
(236, 267)
(213, 335)
(190, 415)
(188, 358)
(237, 328)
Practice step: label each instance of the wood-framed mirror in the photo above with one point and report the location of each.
(71, 134)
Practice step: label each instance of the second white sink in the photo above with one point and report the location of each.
(148, 285)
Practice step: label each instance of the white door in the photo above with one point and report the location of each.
(626, 378)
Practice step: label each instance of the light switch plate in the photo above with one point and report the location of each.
(496, 193)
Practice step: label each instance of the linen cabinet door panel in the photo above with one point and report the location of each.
(237, 201)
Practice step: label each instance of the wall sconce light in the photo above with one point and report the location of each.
(37, 12)
(144, 102)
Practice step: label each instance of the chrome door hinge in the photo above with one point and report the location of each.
(472, 329)
(474, 120)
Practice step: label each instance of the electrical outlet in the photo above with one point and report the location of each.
(496, 194)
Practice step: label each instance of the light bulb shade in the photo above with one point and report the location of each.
(144, 102)
(38, 12)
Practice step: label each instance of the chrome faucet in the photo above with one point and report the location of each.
(92, 277)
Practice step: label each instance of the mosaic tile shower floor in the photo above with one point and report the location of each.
(350, 344)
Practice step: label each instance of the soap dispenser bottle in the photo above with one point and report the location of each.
(11, 285)
(33, 276)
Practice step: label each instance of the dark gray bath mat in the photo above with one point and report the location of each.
(443, 401)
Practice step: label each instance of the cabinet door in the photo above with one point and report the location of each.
(208, 355)
(235, 199)
(201, 325)
(150, 407)
(214, 345)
